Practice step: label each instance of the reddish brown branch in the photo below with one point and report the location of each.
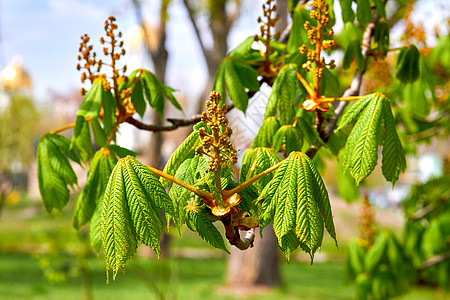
(176, 123)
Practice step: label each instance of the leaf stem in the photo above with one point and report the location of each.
(311, 92)
(68, 126)
(228, 193)
(187, 186)
(337, 99)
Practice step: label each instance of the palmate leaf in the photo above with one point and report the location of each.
(363, 12)
(347, 12)
(375, 126)
(94, 188)
(256, 161)
(98, 174)
(394, 160)
(119, 239)
(184, 151)
(130, 212)
(408, 69)
(54, 170)
(266, 133)
(143, 82)
(297, 201)
(83, 143)
(361, 150)
(201, 224)
(94, 99)
(290, 136)
(281, 99)
(189, 172)
(235, 88)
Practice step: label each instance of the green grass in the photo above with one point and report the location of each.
(29, 239)
(21, 278)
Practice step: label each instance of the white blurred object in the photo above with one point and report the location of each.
(14, 77)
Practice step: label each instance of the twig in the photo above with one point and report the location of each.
(176, 123)
(434, 260)
(196, 29)
(428, 209)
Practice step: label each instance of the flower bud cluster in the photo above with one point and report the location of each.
(216, 145)
(88, 59)
(316, 38)
(268, 33)
(90, 65)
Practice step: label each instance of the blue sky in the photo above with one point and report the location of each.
(46, 34)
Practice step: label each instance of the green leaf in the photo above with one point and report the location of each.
(184, 151)
(130, 212)
(219, 81)
(190, 171)
(119, 238)
(97, 178)
(363, 12)
(99, 135)
(54, 171)
(145, 195)
(243, 49)
(205, 229)
(256, 161)
(83, 144)
(330, 84)
(311, 136)
(92, 101)
(109, 110)
(153, 188)
(279, 138)
(394, 160)
(346, 185)
(120, 151)
(266, 133)
(353, 111)
(354, 51)
(293, 139)
(408, 69)
(381, 37)
(283, 95)
(296, 199)
(298, 35)
(137, 97)
(247, 76)
(153, 89)
(375, 126)
(361, 150)
(95, 229)
(235, 88)
(354, 259)
(380, 6)
(375, 254)
(347, 12)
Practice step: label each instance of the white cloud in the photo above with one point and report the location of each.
(64, 9)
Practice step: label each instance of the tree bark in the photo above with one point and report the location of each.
(159, 56)
(257, 266)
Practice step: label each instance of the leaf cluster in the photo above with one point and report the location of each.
(380, 272)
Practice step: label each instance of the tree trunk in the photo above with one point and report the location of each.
(257, 266)
(159, 56)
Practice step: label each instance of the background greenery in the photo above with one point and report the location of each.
(40, 256)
